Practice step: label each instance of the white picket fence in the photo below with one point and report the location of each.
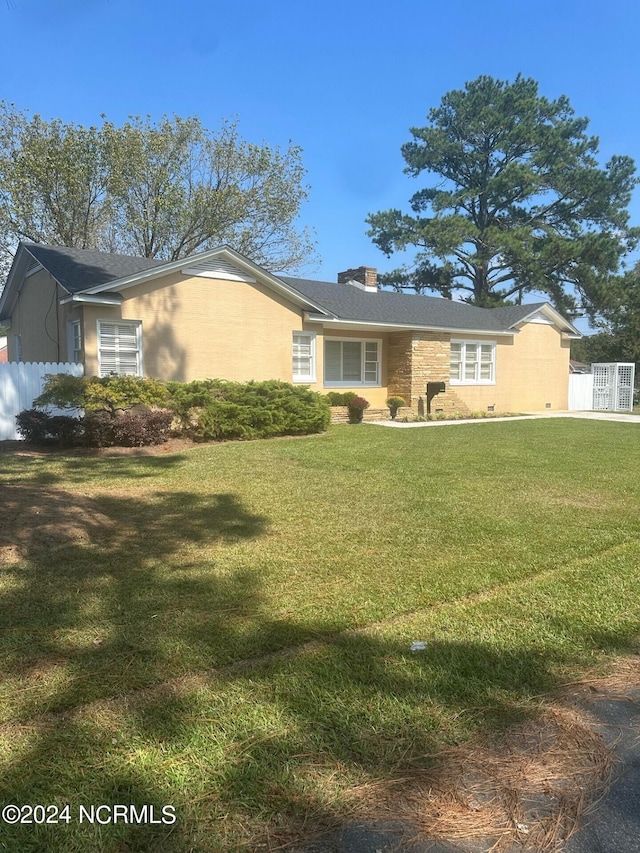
(20, 383)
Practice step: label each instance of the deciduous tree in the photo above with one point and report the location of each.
(159, 189)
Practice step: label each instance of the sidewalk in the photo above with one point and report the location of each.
(527, 416)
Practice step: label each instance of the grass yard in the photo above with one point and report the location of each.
(227, 630)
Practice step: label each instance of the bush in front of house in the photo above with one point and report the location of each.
(111, 394)
(215, 409)
(117, 411)
(98, 429)
(95, 429)
(340, 398)
(142, 428)
(357, 407)
(139, 428)
(38, 427)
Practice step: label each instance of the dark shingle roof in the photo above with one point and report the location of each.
(80, 269)
(351, 303)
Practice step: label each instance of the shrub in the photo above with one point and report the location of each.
(101, 393)
(139, 429)
(357, 406)
(37, 427)
(32, 425)
(214, 409)
(396, 402)
(65, 430)
(340, 398)
(98, 429)
(63, 391)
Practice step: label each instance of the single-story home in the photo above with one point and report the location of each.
(218, 315)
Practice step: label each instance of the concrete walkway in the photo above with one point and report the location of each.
(592, 416)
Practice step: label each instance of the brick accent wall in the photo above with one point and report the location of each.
(416, 358)
(340, 414)
(399, 365)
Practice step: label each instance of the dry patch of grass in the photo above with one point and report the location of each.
(532, 786)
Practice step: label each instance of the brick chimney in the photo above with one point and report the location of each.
(366, 278)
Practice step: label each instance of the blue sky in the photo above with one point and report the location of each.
(344, 80)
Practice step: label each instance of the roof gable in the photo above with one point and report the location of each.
(90, 272)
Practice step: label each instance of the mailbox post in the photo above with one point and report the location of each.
(433, 388)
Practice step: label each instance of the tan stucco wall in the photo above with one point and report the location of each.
(532, 369)
(197, 328)
(35, 319)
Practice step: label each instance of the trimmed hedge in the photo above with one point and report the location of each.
(37, 427)
(206, 410)
(340, 398)
(214, 409)
(132, 429)
(96, 429)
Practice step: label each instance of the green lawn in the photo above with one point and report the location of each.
(227, 630)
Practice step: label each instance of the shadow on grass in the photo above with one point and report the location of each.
(85, 466)
(124, 683)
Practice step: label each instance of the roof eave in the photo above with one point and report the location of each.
(18, 272)
(226, 251)
(92, 299)
(342, 321)
(563, 324)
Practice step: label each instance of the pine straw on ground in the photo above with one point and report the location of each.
(533, 787)
(529, 789)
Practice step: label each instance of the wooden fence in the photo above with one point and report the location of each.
(20, 383)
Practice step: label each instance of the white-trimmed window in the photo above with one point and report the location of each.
(350, 361)
(473, 363)
(120, 347)
(75, 342)
(304, 357)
